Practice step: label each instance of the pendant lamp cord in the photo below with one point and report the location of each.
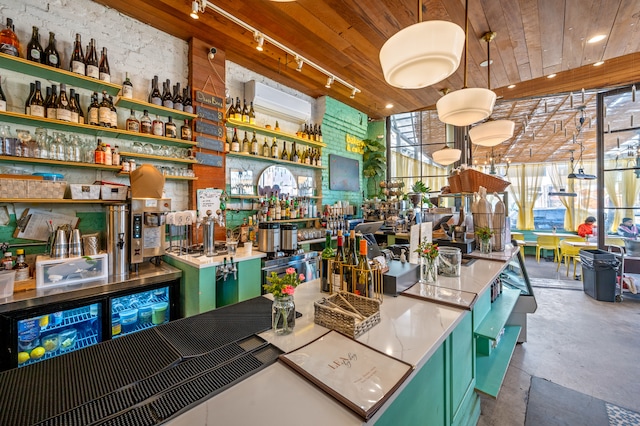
(419, 11)
(466, 40)
(489, 64)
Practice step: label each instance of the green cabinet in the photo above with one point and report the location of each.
(249, 279)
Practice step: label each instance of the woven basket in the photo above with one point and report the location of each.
(472, 180)
(455, 184)
(342, 318)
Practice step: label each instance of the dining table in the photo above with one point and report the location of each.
(554, 234)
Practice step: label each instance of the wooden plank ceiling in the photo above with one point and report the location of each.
(535, 38)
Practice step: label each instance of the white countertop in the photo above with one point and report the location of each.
(199, 261)
(410, 329)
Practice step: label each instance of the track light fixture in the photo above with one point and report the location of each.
(329, 82)
(196, 7)
(259, 38)
(300, 63)
(353, 92)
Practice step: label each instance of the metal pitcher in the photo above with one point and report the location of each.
(60, 243)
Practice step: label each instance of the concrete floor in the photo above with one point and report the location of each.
(576, 342)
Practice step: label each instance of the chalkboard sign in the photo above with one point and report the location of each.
(209, 159)
(208, 98)
(208, 143)
(208, 113)
(344, 173)
(209, 129)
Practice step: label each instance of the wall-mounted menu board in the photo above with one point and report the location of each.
(356, 375)
(344, 173)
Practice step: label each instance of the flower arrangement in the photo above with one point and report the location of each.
(484, 233)
(283, 286)
(427, 250)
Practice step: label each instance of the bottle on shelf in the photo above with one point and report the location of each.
(237, 110)
(277, 128)
(72, 106)
(9, 42)
(76, 63)
(266, 151)
(158, 127)
(108, 155)
(364, 273)
(146, 125)
(113, 114)
(21, 267)
(254, 144)
(252, 115)
(338, 261)
(50, 104)
(31, 92)
(235, 143)
(274, 148)
(93, 110)
(132, 124)
(187, 102)
(227, 143)
(3, 99)
(245, 112)
(231, 112)
(185, 131)
(320, 133)
(294, 153)
(285, 153)
(36, 107)
(104, 113)
(93, 67)
(104, 71)
(7, 261)
(305, 132)
(170, 130)
(81, 118)
(35, 52)
(51, 55)
(246, 145)
(98, 153)
(155, 97)
(127, 87)
(167, 99)
(115, 156)
(177, 98)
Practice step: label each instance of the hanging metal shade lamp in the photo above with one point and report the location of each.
(467, 105)
(446, 155)
(422, 54)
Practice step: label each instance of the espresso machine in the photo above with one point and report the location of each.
(148, 228)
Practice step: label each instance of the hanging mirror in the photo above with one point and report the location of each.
(277, 180)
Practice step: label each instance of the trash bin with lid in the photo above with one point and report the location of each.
(599, 272)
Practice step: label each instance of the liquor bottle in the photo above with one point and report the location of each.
(93, 110)
(27, 103)
(187, 102)
(231, 112)
(303, 156)
(158, 127)
(364, 273)
(36, 108)
(113, 114)
(294, 153)
(104, 72)
(127, 87)
(235, 143)
(104, 113)
(146, 125)
(98, 153)
(285, 153)
(185, 131)
(167, 99)
(320, 133)
(245, 112)
(266, 151)
(3, 99)
(177, 98)
(115, 156)
(35, 52)
(93, 69)
(352, 261)
(9, 42)
(278, 210)
(155, 97)
(254, 144)
(274, 148)
(227, 144)
(76, 64)
(50, 107)
(277, 128)
(170, 130)
(51, 55)
(315, 133)
(108, 155)
(246, 145)
(81, 119)
(252, 115)
(21, 267)
(318, 158)
(132, 124)
(238, 110)
(305, 132)
(338, 260)
(72, 106)
(63, 110)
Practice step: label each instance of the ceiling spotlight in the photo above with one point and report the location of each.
(388, 106)
(597, 64)
(329, 82)
(597, 38)
(511, 86)
(300, 63)
(259, 38)
(195, 8)
(551, 75)
(353, 93)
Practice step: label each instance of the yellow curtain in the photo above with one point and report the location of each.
(559, 181)
(586, 203)
(525, 183)
(611, 180)
(409, 168)
(622, 188)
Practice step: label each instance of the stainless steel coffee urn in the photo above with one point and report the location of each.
(289, 238)
(269, 238)
(118, 240)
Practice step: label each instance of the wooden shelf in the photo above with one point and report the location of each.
(154, 109)
(304, 219)
(257, 197)
(272, 160)
(56, 201)
(271, 132)
(158, 157)
(38, 70)
(10, 159)
(170, 177)
(491, 369)
(497, 317)
(49, 123)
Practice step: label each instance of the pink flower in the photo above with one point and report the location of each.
(290, 271)
(301, 277)
(288, 290)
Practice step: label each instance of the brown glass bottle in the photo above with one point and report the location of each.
(51, 55)
(35, 52)
(76, 64)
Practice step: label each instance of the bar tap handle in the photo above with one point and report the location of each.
(234, 269)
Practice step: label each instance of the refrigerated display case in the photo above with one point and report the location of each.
(515, 276)
(138, 311)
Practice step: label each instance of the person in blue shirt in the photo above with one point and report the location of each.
(627, 229)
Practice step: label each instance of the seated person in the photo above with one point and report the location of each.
(586, 229)
(627, 229)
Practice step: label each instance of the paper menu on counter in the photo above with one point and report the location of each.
(455, 298)
(356, 375)
(34, 224)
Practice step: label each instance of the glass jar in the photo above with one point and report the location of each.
(43, 142)
(283, 315)
(8, 142)
(485, 246)
(449, 261)
(428, 270)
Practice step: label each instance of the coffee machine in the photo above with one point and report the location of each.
(148, 228)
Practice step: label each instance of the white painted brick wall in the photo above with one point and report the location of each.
(132, 46)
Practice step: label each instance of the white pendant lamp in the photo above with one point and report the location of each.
(467, 105)
(446, 155)
(422, 54)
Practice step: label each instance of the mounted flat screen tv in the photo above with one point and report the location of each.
(344, 173)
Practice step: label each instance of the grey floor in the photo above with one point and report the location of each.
(574, 341)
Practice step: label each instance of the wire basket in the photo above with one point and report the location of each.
(455, 184)
(347, 313)
(472, 180)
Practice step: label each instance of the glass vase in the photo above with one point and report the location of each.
(283, 317)
(485, 246)
(428, 270)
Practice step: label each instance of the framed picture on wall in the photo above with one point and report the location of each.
(344, 173)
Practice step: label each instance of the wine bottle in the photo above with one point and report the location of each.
(185, 131)
(127, 87)
(338, 260)
(352, 262)
(93, 110)
(305, 132)
(93, 69)
(104, 113)
(81, 119)
(318, 158)
(285, 153)
(35, 52)
(245, 112)
(113, 114)
(104, 72)
(63, 110)
(36, 108)
(72, 106)
(364, 273)
(51, 55)
(227, 143)
(146, 125)
(170, 130)
(235, 143)
(3, 99)
(76, 64)
(177, 98)
(238, 110)
(9, 42)
(246, 145)
(320, 133)
(266, 151)
(252, 115)
(27, 103)
(132, 124)
(254, 144)
(274, 148)
(231, 112)
(294, 153)
(187, 102)
(167, 99)
(50, 107)
(155, 97)
(158, 127)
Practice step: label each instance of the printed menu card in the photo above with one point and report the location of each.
(443, 295)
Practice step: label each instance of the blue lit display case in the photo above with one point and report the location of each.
(137, 311)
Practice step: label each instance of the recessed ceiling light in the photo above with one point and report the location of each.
(511, 86)
(484, 63)
(597, 64)
(597, 38)
(551, 75)
(388, 106)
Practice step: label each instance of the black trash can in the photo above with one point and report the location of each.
(599, 274)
